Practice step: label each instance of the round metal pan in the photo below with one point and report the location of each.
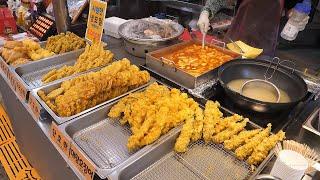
(284, 78)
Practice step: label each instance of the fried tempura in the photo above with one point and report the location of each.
(93, 56)
(226, 122)
(154, 112)
(262, 150)
(240, 139)
(198, 124)
(232, 130)
(64, 42)
(88, 90)
(184, 138)
(246, 150)
(212, 116)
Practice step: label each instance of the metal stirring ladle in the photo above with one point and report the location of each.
(264, 81)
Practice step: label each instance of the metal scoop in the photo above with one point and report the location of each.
(265, 83)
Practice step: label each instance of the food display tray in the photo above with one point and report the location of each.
(30, 74)
(103, 140)
(201, 161)
(50, 87)
(186, 80)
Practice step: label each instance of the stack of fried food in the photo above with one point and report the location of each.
(154, 112)
(65, 42)
(158, 109)
(89, 90)
(93, 56)
(21, 52)
(253, 145)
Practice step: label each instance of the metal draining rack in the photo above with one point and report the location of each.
(201, 161)
(33, 80)
(105, 142)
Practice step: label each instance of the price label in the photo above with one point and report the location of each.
(35, 106)
(59, 139)
(82, 164)
(97, 14)
(4, 67)
(20, 88)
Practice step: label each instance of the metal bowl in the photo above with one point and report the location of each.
(139, 46)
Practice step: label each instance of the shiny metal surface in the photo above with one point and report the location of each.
(201, 161)
(50, 87)
(155, 63)
(31, 74)
(103, 140)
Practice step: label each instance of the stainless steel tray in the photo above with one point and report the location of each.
(154, 62)
(201, 161)
(312, 123)
(30, 74)
(103, 140)
(48, 88)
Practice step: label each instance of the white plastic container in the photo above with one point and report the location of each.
(111, 26)
(289, 165)
(297, 21)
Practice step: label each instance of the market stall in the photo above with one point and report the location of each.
(155, 106)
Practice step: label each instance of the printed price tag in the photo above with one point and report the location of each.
(19, 88)
(59, 139)
(97, 13)
(4, 67)
(82, 164)
(35, 107)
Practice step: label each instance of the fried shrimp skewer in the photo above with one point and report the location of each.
(261, 152)
(184, 138)
(212, 116)
(240, 139)
(246, 150)
(229, 132)
(226, 122)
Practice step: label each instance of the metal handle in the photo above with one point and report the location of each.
(293, 64)
(224, 44)
(274, 69)
(168, 61)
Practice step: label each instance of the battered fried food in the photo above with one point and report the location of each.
(21, 52)
(88, 90)
(246, 150)
(64, 42)
(232, 130)
(240, 139)
(198, 125)
(154, 112)
(226, 122)
(261, 152)
(184, 138)
(212, 116)
(93, 56)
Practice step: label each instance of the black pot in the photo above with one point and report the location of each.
(284, 78)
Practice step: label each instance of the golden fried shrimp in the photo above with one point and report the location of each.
(262, 150)
(234, 129)
(184, 138)
(246, 150)
(240, 139)
(212, 116)
(42, 95)
(198, 125)
(226, 122)
(55, 93)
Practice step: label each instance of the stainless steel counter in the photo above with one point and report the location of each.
(34, 140)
